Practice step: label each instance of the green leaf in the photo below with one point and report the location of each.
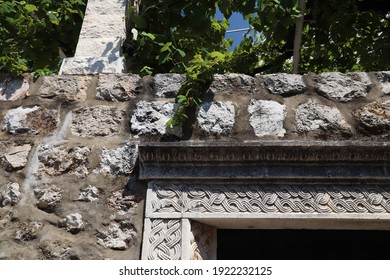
(166, 47)
(181, 99)
(149, 35)
(7, 7)
(218, 55)
(53, 17)
(30, 8)
(181, 52)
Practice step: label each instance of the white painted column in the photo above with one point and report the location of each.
(99, 46)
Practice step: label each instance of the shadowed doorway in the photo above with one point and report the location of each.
(302, 244)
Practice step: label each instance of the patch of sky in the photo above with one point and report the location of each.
(238, 28)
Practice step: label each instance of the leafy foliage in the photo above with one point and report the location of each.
(31, 32)
(185, 37)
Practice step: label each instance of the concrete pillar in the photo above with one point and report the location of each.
(99, 46)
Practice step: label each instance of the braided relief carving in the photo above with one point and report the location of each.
(165, 240)
(167, 199)
(203, 241)
(273, 198)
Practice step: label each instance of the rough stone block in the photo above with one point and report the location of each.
(89, 194)
(93, 65)
(73, 223)
(117, 237)
(232, 83)
(343, 87)
(375, 117)
(266, 118)
(49, 197)
(167, 85)
(97, 121)
(384, 81)
(15, 157)
(11, 195)
(13, 88)
(284, 84)
(117, 87)
(120, 161)
(150, 118)
(123, 203)
(57, 161)
(103, 26)
(71, 88)
(217, 118)
(31, 121)
(28, 231)
(312, 116)
(106, 7)
(99, 47)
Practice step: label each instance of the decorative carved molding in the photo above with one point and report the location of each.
(167, 199)
(265, 151)
(165, 240)
(270, 160)
(270, 198)
(203, 241)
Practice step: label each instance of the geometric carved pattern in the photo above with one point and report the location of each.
(203, 241)
(167, 199)
(165, 240)
(271, 198)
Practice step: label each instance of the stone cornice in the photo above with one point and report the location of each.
(266, 159)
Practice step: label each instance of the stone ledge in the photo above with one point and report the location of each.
(281, 160)
(92, 65)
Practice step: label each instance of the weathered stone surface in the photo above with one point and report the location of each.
(11, 195)
(123, 203)
(117, 237)
(150, 118)
(120, 161)
(217, 118)
(343, 87)
(71, 88)
(266, 118)
(97, 121)
(107, 7)
(108, 26)
(88, 194)
(48, 198)
(109, 47)
(13, 88)
(167, 85)
(28, 231)
(31, 121)
(93, 65)
(56, 161)
(232, 83)
(15, 157)
(311, 116)
(284, 84)
(384, 81)
(56, 249)
(375, 117)
(117, 87)
(73, 223)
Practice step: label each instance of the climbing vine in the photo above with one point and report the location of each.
(186, 37)
(32, 32)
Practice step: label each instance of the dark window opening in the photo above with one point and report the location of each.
(302, 244)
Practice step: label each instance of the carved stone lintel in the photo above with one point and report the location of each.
(269, 198)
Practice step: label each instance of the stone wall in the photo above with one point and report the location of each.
(69, 185)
